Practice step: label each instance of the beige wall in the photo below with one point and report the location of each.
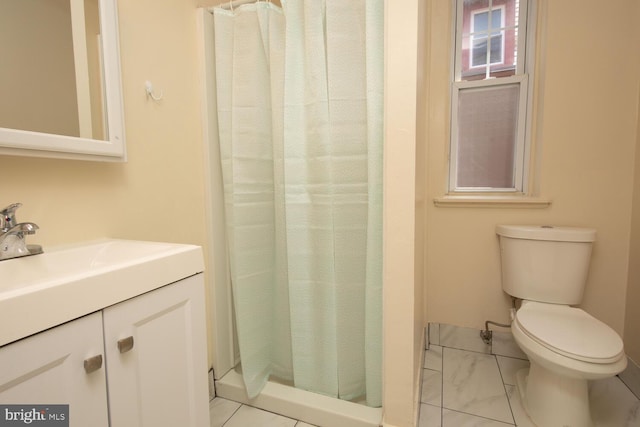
(158, 194)
(586, 138)
(94, 63)
(38, 82)
(422, 92)
(632, 317)
(585, 134)
(402, 335)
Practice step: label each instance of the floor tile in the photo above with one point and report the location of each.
(519, 414)
(247, 416)
(631, 377)
(430, 416)
(462, 338)
(433, 358)
(459, 419)
(471, 383)
(220, 410)
(431, 387)
(503, 344)
(464, 389)
(613, 404)
(434, 333)
(508, 368)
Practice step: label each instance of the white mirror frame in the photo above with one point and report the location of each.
(34, 144)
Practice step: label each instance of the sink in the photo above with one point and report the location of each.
(64, 283)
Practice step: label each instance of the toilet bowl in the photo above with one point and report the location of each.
(566, 347)
(546, 267)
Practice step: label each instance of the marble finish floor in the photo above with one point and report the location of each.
(463, 388)
(465, 383)
(228, 413)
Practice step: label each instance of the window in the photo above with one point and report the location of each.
(480, 36)
(490, 99)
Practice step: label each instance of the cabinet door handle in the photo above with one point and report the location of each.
(125, 344)
(92, 364)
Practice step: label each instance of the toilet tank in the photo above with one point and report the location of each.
(544, 263)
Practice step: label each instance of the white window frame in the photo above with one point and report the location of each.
(473, 35)
(522, 77)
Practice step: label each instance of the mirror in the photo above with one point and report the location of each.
(60, 80)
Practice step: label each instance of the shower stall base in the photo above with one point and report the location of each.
(302, 405)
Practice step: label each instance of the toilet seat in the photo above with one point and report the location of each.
(570, 332)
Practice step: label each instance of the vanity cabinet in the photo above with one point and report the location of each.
(156, 353)
(48, 368)
(141, 362)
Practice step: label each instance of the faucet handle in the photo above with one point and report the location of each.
(8, 216)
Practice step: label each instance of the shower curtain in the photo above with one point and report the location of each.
(299, 101)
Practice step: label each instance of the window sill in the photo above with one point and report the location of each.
(467, 201)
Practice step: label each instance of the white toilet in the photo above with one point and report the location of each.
(547, 268)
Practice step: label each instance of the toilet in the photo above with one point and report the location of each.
(546, 268)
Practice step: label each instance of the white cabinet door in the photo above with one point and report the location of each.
(49, 368)
(157, 358)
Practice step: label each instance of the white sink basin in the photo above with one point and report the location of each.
(62, 284)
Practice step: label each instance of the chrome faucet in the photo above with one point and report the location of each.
(12, 235)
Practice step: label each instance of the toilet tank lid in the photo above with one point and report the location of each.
(547, 232)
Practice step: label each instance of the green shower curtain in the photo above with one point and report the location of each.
(299, 94)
